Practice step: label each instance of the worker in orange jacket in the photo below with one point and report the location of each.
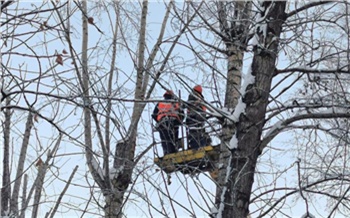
(196, 119)
(168, 116)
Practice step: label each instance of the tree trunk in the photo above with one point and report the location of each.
(123, 164)
(6, 187)
(92, 163)
(20, 167)
(42, 169)
(125, 150)
(235, 40)
(234, 202)
(235, 61)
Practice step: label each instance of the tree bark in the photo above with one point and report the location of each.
(24, 195)
(6, 187)
(235, 35)
(235, 61)
(42, 169)
(234, 201)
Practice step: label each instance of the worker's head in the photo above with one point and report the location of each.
(198, 90)
(168, 94)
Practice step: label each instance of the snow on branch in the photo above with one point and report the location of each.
(215, 111)
(233, 142)
(96, 167)
(275, 130)
(260, 29)
(114, 172)
(224, 189)
(248, 79)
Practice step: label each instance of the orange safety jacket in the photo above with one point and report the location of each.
(168, 110)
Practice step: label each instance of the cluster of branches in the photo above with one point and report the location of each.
(82, 75)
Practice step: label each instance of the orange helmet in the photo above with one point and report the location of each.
(198, 88)
(169, 93)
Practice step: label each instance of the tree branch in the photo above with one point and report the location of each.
(282, 125)
(20, 166)
(307, 6)
(63, 192)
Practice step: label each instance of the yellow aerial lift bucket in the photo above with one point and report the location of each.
(190, 161)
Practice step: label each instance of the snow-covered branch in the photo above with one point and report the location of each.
(96, 167)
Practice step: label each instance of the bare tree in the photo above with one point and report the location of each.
(98, 69)
(114, 179)
(23, 151)
(267, 30)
